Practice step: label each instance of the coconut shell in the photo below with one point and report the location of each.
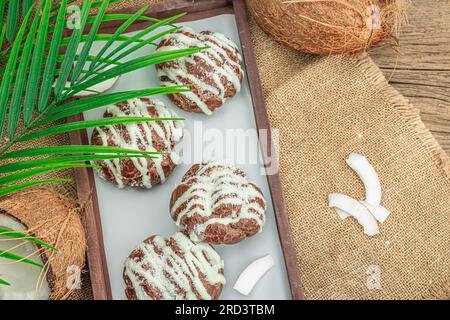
(328, 27)
(56, 220)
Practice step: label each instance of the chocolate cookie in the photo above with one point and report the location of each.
(217, 203)
(173, 269)
(158, 136)
(214, 74)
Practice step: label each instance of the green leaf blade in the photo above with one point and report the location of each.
(52, 58)
(70, 149)
(7, 79)
(91, 103)
(72, 47)
(22, 165)
(90, 40)
(118, 32)
(36, 65)
(16, 177)
(9, 233)
(11, 256)
(19, 85)
(11, 20)
(133, 65)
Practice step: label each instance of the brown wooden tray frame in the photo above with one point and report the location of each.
(85, 177)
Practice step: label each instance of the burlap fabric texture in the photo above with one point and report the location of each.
(326, 108)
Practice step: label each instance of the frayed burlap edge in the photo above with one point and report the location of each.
(411, 116)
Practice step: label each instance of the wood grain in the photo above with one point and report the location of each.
(421, 68)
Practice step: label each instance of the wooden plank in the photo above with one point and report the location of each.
(421, 70)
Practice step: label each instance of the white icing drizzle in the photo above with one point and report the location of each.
(214, 185)
(160, 260)
(221, 63)
(140, 137)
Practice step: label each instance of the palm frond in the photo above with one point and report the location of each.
(28, 164)
(5, 87)
(83, 105)
(71, 149)
(78, 125)
(52, 57)
(17, 187)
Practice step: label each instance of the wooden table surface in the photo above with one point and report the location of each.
(421, 70)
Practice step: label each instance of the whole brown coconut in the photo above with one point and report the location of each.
(56, 220)
(328, 27)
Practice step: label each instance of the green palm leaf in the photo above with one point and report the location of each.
(133, 65)
(72, 49)
(3, 282)
(11, 256)
(118, 32)
(17, 187)
(36, 65)
(27, 164)
(71, 149)
(15, 177)
(2, 15)
(12, 20)
(82, 105)
(78, 125)
(99, 37)
(26, 5)
(5, 86)
(141, 34)
(89, 41)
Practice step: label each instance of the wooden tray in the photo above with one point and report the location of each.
(85, 177)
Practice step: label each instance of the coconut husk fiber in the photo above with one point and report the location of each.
(326, 108)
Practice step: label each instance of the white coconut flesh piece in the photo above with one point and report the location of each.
(252, 274)
(355, 209)
(27, 282)
(372, 185)
(368, 176)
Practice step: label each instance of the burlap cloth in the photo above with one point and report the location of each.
(326, 108)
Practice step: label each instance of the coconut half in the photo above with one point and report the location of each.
(27, 281)
(54, 219)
